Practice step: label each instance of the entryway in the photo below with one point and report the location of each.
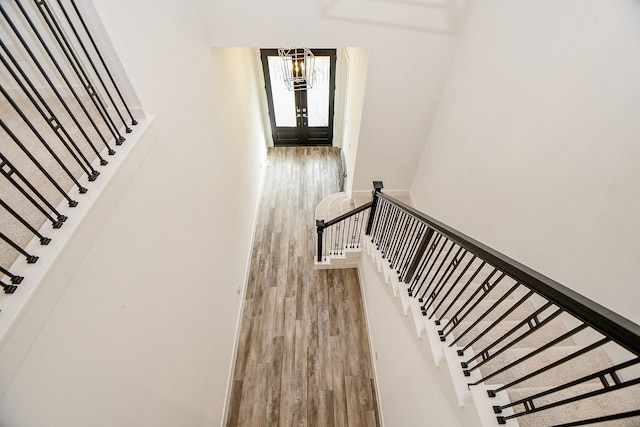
(303, 116)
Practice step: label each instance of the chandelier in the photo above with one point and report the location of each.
(297, 67)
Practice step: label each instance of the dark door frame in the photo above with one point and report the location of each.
(301, 134)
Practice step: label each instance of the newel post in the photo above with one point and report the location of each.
(377, 188)
(320, 228)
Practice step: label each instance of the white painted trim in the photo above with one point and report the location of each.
(108, 51)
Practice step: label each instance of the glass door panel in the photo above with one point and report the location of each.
(318, 95)
(284, 107)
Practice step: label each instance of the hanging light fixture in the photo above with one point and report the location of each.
(297, 67)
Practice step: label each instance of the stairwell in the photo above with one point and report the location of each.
(464, 310)
(333, 206)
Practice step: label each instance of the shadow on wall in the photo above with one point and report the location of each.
(434, 16)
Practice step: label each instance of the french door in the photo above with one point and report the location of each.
(303, 116)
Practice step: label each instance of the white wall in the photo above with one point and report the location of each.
(412, 391)
(143, 333)
(355, 90)
(406, 71)
(534, 150)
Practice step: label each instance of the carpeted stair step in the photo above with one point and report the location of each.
(571, 370)
(481, 308)
(464, 291)
(618, 401)
(541, 336)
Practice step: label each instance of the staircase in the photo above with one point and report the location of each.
(513, 353)
(348, 254)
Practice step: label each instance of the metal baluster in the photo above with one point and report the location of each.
(381, 212)
(30, 258)
(405, 244)
(417, 253)
(409, 247)
(460, 292)
(63, 75)
(355, 238)
(533, 323)
(400, 229)
(558, 362)
(52, 86)
(93, 66)
(437, 237)
(496, 322)
(458, 317)
(388, 229)
(8, 289)
(8, 174)
(15, 279)
(437, 272)
(327, 248)
(362, 221)
(611, 372)
(383, 225)
(44, 143)
(49, 116)
(43, 240)
(404, 241)
(486, 313)
(444, 279)
(72, 203)
(374, 218)
(77, 68)
(347, 232)
(104, 65)
(332, 232)
(451, 288)
(433, 264)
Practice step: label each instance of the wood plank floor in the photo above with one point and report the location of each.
(303, 352)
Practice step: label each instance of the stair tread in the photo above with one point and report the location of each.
(581, 366)
(541, 336)
(605, 404)
(481, 308)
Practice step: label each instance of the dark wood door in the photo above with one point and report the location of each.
(303, 116)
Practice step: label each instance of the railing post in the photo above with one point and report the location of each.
(377, 187)
(320, 227)
(424, 243)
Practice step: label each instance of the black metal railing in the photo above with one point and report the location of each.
(61, 111)
(343, 232)
(561, 358)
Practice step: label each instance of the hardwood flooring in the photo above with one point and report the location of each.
(303, 353)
